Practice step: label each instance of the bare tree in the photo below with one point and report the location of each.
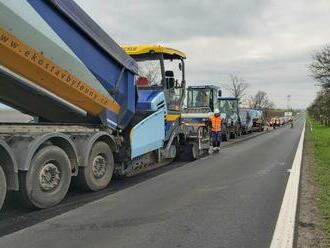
(320, 108)
(151, 71)
(261, 101)
(320, 68)
(237, 87)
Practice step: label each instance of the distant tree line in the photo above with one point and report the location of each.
(320, 70)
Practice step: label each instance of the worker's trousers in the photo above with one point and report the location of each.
(216, 138)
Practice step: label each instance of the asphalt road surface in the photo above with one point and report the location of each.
(231, 199)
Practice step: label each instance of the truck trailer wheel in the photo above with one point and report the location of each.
(98, 173)
(3, 187)
(225, 136)
(48, 179)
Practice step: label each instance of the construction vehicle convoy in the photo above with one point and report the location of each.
(99, 109)
(276, 118)
(91, 120)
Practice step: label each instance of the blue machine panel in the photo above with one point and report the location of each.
(150, 100)
(148, 135)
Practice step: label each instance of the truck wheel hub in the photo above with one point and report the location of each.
(49, 177)
(99, 166)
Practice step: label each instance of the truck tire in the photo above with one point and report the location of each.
(226, 135)
(239, 132)
(233, 135)
(47, 181)
(98, 173)
(3, 187)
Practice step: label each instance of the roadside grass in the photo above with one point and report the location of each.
(319, 137)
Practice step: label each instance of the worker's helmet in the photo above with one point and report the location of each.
(216, 111)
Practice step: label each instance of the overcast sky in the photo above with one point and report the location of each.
(267, 42)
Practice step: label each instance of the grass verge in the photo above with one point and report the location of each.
(319, 138)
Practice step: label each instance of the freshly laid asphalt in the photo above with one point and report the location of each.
(231, 199)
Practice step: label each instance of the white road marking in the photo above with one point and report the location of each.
(284, 231)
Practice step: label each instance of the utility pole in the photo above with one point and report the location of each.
(288, 102)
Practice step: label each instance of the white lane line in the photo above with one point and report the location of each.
(284, 230)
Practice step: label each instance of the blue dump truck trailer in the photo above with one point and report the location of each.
(91, 121)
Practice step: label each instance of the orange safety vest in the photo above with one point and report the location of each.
(216, 123)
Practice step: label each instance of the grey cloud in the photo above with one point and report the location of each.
(267, 42)
(278, 76)
(177, 19)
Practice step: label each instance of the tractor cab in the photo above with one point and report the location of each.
(228, 105)
(229, 109)
(160, 69)
(161, 72)
(202, 99)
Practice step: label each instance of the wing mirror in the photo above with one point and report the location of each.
(219, 93)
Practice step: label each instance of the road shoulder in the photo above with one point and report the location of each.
(309, 219)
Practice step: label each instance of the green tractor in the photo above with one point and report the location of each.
(201, 102)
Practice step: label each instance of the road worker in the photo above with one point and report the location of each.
(291, 122)
(216, 125)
